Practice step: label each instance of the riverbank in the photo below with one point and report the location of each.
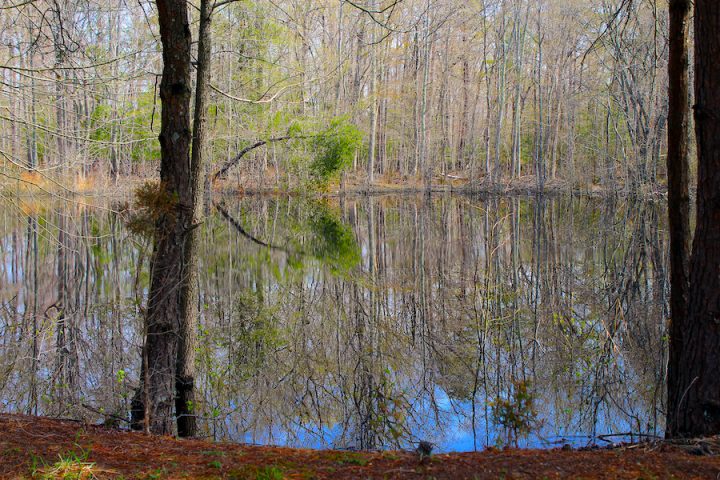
(38, 447)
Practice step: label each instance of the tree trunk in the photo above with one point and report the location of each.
(424, 161)
(185, 381)
(465, 113)
(60, 57)
(540, 131)
(678, 199)
(696, 383)
(169, 263)
(373, 109)
(501, 89)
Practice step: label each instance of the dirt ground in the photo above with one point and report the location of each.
(32, 447)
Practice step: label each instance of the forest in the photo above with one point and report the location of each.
(379, 225)
(572, 94)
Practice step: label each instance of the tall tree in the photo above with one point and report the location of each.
(185, 401)
(678, 196)
(694, 400)
(169, 265)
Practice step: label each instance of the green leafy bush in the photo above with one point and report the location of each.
(335, 148)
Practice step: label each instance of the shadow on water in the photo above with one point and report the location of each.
(369, 322)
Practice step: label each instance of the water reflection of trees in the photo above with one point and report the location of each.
(380, 320)
(68, 319)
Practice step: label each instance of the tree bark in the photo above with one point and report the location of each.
(424, 160)
(697, 384)
(465, 112)
(678, 200)
(372, 146)
(169, 262)
(185, 402)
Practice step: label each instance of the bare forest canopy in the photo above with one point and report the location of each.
(434, 90)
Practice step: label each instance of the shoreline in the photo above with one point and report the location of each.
(516, 187)
(42, 447)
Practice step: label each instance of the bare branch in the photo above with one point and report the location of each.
(17, 5)
(233, 161)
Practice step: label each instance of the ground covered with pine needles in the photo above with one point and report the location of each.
(32, 447)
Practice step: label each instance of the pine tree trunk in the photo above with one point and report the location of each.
(696, 385)
(168, 266)
(185, 382)
(678, 199)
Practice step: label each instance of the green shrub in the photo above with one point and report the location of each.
(335, 149)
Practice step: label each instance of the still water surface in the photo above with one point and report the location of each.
(358, 323)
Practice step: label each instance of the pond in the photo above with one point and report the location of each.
(357, 322)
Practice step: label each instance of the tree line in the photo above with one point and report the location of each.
(485, 91)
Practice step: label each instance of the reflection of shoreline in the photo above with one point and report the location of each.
(521, 186)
